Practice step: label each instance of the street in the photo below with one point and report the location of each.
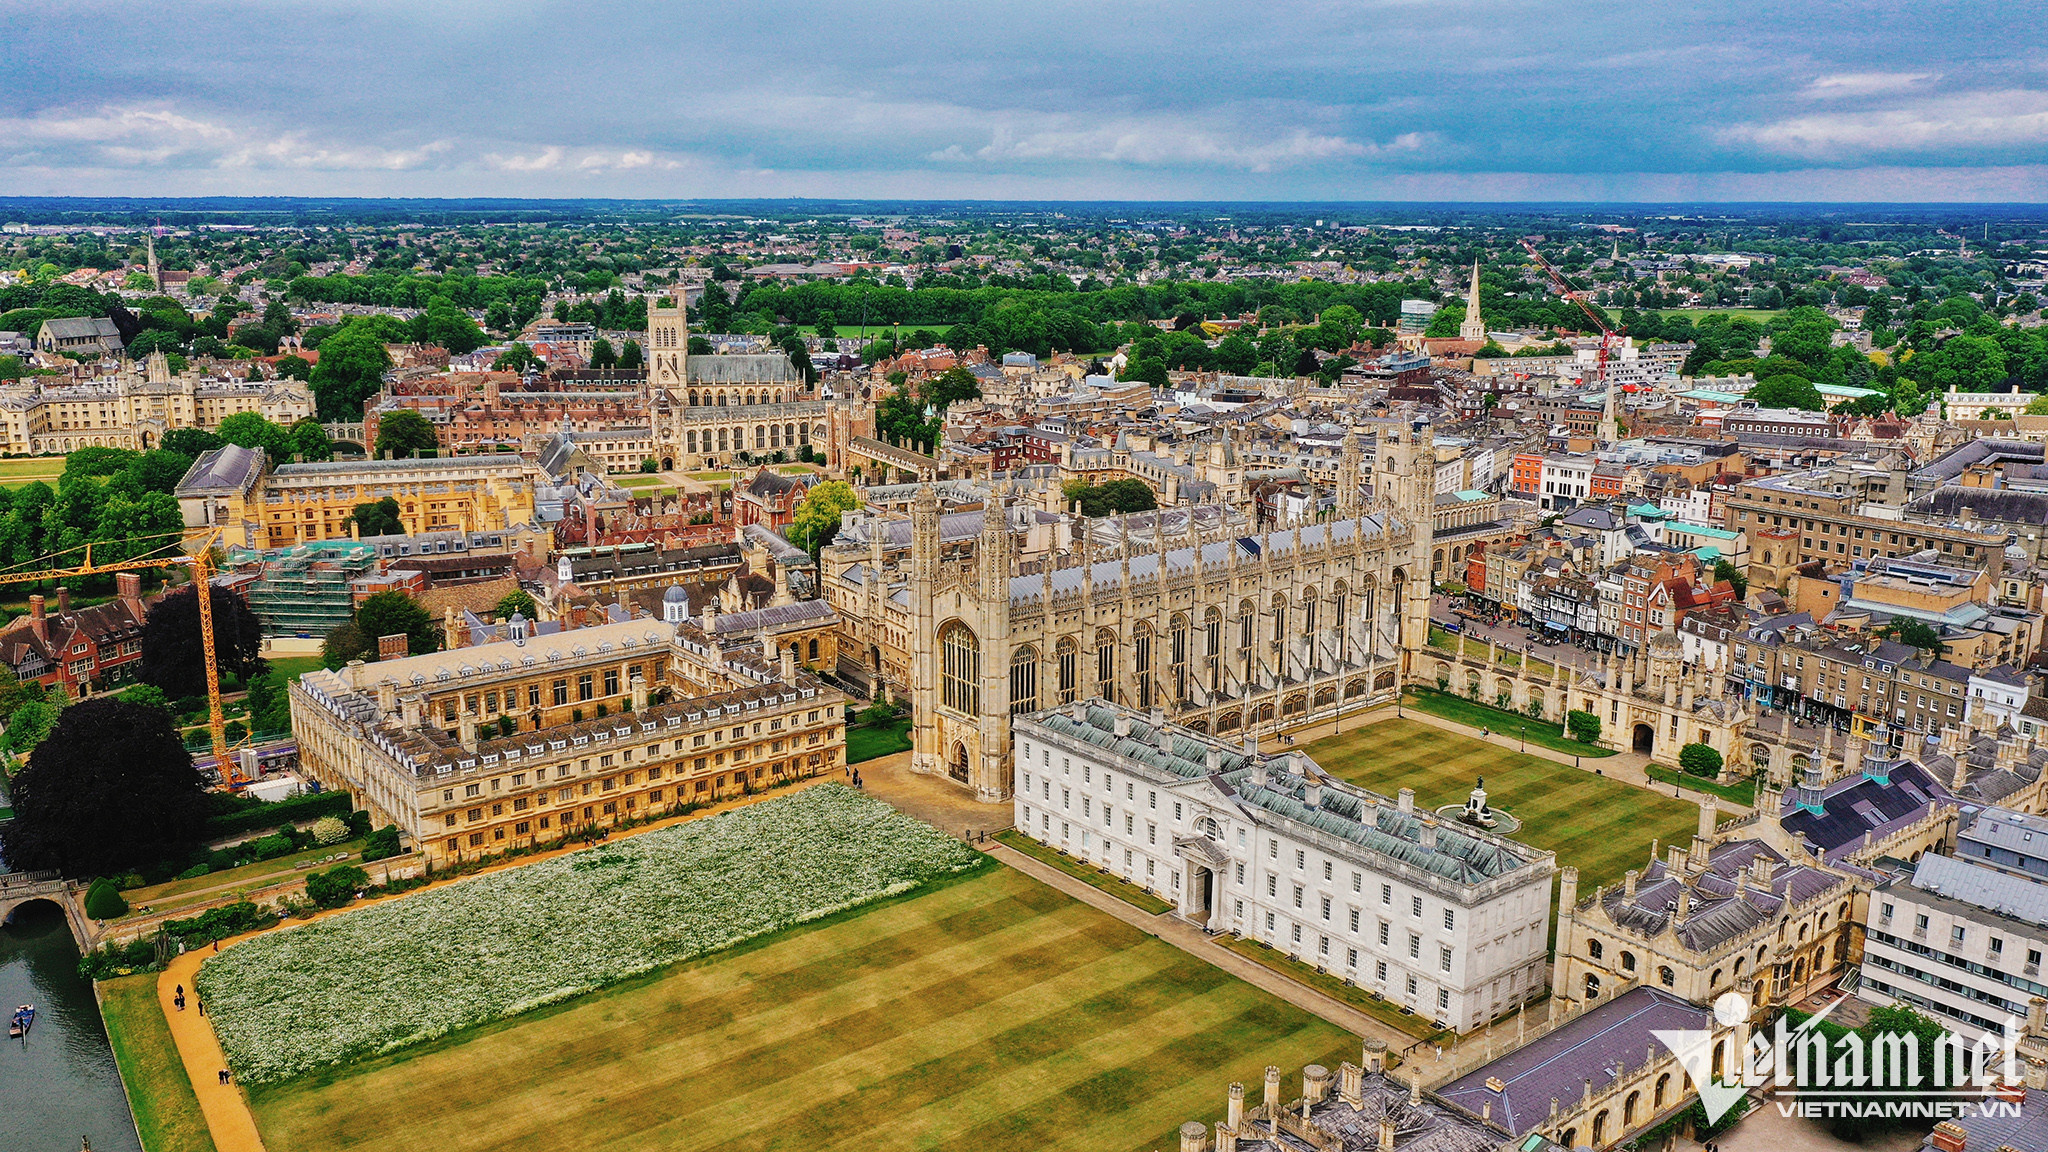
(1511, 637)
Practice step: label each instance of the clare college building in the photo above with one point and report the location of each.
(1436, 915)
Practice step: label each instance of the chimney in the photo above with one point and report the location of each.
(1628, 883)
(639, 693)
(2037, 1017)
(1386, 1134)
(1312, 794)
(128, 586)
(1259, 771)
(1121, 726)
(1351, 1084)
(1710, 815)
(788, 664)
(1375, 1056)
(409, 712)
(393, 647)
(1949, 1136)
(1407, 798)
(36, 619)
(1271, 1100)
(1214, 760)
(1427, 835)
(63, 600)
(387, 696)
(465, 729)
(1194, 1137)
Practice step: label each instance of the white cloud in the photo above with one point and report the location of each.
(1969, 120)
(1844, 85)
(154, 136)
(546, 161)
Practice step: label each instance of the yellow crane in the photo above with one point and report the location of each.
(53, 567)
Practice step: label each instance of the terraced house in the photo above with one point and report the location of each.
(533, 739)
(1441, 917)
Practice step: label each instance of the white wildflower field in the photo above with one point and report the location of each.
(412, 969)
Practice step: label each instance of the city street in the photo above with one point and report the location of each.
(1511, 637)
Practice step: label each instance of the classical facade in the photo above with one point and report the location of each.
(134, 408)
(235, 491)
(1229, 633)
(1439, 916)
(533, 739)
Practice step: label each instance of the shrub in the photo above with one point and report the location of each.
(382, 843)
(242, 814)
(103, 900)
(196, 871)
(336, 886)
(329, 830)
(271, 847)
(1700, 760)
(1583, 726)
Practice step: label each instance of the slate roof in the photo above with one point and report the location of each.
(1716, 911)
(742, 368)
(1857, 804)
(229, 468)
(1983, 886)
(1555, 1066)
(1108, 574)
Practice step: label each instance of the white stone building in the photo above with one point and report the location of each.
(1436, 915)
(1960, 942)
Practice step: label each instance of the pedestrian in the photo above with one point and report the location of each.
(202, 1005)
(181, 991)
(179, 1001)
(223, 1076)
(216, 945)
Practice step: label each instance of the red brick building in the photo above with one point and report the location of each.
(84, 650)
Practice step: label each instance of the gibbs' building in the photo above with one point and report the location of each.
(1233, 635)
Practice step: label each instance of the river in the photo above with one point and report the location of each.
(61, 1083)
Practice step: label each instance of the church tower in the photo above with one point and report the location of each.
(1347, 478)
(925, 755)
(993, 554)
(668, 344)
(1474, 327)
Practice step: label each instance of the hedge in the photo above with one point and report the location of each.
(263, 817)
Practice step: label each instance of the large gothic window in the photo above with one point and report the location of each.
(1105, 665)
(1069, 659)
(1024, 681)
(1141, 662)
(960, 674)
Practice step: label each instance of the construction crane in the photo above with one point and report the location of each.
(1609, 337)
(53, 567)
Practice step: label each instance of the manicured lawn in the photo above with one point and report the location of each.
(1601, 826)
(870, 742)
(1087, 874)
(166, 1111)
(293, 667)
(19, 473)
(1540, 732)
(1760, 315)
(162, 896)
(991, 1013)
(1743, 793)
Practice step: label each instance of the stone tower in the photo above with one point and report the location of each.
(924, 674)
(668, 344)
(993, 552)
(1474, 327)
(1404, 485)
(1347, 478)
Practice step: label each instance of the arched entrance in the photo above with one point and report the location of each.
(1645, 738)
(957, 768)
(668, 463)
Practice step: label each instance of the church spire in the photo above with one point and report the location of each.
(1474, 327)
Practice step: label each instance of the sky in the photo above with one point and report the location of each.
(1028, 99)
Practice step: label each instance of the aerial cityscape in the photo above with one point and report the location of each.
(1376, 587)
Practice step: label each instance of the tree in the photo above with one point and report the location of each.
(351, 369)
(1700, 760)
(447, 326)
(602, 355)
(955, 383)
(1116, 496)
(404, 434)
(29, 725)
(2038, 406)
(1583, 726)
(336, 886)
(294, 368)
(310, 440)
(1788, 392)
(112, 788)
(389, 613)
(1914, 633)
(378, 518)
(1803, 334)
(515, 601)
(816, 520)
(173, 652)
(103, 900)
(191, 442)
(1726, 570)
(253, 430)
(631, 359)
(517, 358)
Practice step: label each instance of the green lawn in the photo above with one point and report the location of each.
(1542, 733)
(163, 896)
(1743, 793)
(1087, 874)
(293, 667)
(869, 742)
(19, 473)
(1334, 987)
(1760, 315)
(166, 1111)
(991, 1013)
(1601, 826)
(844, 332)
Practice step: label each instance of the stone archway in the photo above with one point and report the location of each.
(1643, 739)
(957, 766)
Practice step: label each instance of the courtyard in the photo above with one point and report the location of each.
(1601, 826)
(986, 1012)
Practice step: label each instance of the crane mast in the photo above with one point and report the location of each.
(1609, 337)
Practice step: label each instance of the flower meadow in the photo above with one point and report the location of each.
(398, 973)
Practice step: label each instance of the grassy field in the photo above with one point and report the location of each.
(844, 332)
(1760, 315)
(992, 1013)
(1601, 826)
(1743, 793)
(1541, 733)
(166, 1111)
(1334, 987)
(17, 473)
(871, 742)
(165, 896)
(1087, 874)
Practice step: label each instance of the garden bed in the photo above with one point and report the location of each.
(1542, 733)
(394, 974)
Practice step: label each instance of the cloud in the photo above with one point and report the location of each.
(547, 160)
(1982, 122)
(1842, 85)
(141, 136)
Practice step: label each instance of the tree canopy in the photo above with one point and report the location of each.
(1110, 498)
(816, 520)
(112, 788)
(385, 614)
(404, 434)
(173, 651)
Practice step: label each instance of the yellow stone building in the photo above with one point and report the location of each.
(235, 490)
(534, 739)
(135, 408)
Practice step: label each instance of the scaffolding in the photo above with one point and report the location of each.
(304, 590)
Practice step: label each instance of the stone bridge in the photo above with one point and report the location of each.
(19, 888)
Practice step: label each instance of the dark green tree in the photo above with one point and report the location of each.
(1700, 760)
(111, 789)
(378, 518)
(517, 601)
(404, 434)
(173, 651)
(389, 613)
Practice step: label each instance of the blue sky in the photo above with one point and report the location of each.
(1402, 100)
